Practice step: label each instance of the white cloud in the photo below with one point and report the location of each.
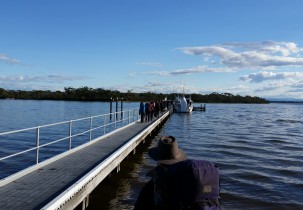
(299, 84)
(163, 87)
(284, 48)
(297, 87)
(237, 89)
(159, 73)
(277, 83)
(199, 69)
(193, 70)
(132, 74)
(296, 90)
(259, 55)
(8, 59)
(153, 64)
(272, 86)
(263, 76)
(158, 84)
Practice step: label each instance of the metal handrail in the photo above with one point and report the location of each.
(126, 118)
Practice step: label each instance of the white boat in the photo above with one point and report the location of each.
(183, 105)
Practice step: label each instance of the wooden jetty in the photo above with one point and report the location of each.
(199, 108)
(63, 182)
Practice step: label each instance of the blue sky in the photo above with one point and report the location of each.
(246, 47)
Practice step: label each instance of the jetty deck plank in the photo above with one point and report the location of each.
(36, 189)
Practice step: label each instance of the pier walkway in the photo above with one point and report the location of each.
(66, 180)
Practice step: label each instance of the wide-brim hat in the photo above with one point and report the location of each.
(167, 151)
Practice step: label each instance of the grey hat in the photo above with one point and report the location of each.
(167, 151)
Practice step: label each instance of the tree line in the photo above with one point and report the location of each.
(100, 94)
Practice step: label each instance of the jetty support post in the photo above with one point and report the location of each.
(85, 202)
(118, 168)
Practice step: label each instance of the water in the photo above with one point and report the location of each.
(258, 148)
(19, 114)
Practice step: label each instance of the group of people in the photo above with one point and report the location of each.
(178, 183)
(151, 109)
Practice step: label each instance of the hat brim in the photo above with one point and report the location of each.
(153, 153)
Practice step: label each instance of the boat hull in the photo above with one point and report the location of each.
(183, 106)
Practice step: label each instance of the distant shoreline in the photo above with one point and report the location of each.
(100, 94)
(287, 102)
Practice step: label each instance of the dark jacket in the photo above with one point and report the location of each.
(189, 184)
(142, 108)
(145, 199)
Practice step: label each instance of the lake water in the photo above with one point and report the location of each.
(258, 148)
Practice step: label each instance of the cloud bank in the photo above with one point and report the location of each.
(236, 56)
(267, 57)
(260, 55)
(263, 76)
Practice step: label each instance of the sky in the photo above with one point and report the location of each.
(245, 47)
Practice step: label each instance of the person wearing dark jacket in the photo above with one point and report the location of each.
(147, 112)
(166, 153)
(142, 111)
(178, 183)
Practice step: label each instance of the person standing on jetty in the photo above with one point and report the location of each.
(157, 109)
(178, 183)
(142, 111)
(146, 112)
(151, 110)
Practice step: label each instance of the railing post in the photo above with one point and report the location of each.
(37, 144)
(70, 134)
(128, 116)
(110, 108)
(117, 108)
(122, 110)
(90, 128)
(105, 122)
(122, 117)
(137, 116)
(116, 115)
